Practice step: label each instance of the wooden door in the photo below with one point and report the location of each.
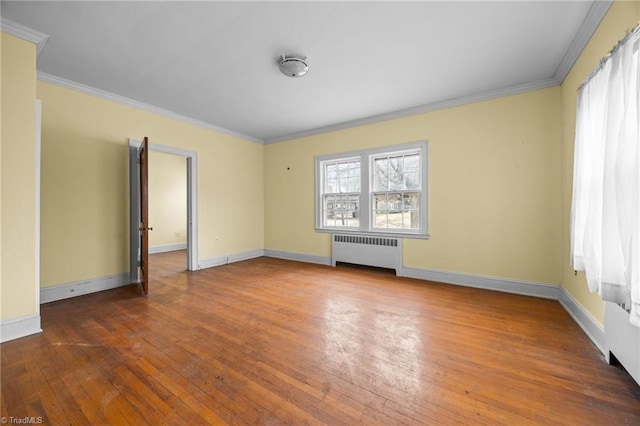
(144, 216)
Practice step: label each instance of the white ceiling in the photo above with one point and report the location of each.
(216, 62)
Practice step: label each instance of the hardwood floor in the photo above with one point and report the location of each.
(270, 341)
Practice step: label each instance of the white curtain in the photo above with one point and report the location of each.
(605, 211)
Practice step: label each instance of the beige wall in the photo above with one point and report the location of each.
(494, 187)
(167, 199)
(623, 16)
(85, 184)
(18, 179)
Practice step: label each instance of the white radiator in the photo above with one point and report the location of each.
(622, 339)
(383, 252)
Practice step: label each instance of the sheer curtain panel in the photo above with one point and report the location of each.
(605, 211)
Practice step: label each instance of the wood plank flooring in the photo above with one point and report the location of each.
(270, 341)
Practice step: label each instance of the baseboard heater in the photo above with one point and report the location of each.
(622, 339)
(369, 250)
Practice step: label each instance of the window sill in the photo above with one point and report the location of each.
(374, 233)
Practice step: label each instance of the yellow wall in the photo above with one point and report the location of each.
(623, 16)
(18, 287)
(494, 187)
(85, 184)
(167, 199)
(1, 317)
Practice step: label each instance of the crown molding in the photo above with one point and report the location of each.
(596, 13)
(449, 103)
(103, 94)
(25, 33)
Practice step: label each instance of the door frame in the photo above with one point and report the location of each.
(192, 202)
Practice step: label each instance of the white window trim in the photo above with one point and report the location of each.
(365, 194)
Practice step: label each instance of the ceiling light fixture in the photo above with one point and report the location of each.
(293, 66)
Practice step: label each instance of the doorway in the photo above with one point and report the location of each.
(191, 203)
(168, 205)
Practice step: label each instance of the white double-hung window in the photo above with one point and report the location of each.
(381, 190)
(341, 193)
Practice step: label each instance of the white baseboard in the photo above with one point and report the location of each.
(163, 248)
(78, 288)
(591, 327)
(15, 328)
(236, 257)
(299, 257)
(546, 291)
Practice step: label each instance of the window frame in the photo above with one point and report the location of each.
(366, 217)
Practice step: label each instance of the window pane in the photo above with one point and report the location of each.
(395, 173)
(342, 177)
(396, 210)
(380, 174)
(410, 201)
(380, 219)
(412, 171)
(331, 185)
(341, 210)
(380, 202)
(354, 184)
(331, 171)
(412, 181)
(393, 220)
(412, 163)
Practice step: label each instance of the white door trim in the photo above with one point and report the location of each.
(37, 200)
